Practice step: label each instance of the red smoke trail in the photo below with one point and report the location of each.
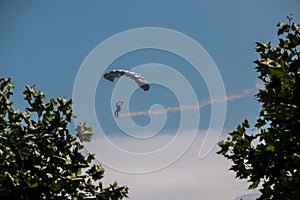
(244, 94)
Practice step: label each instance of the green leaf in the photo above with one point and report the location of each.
(270, 148)
(254, 184)
(67, 161)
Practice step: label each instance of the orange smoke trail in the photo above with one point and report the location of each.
(244, 94)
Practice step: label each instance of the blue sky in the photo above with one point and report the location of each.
(46, 42)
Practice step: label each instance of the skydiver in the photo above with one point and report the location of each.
(118, 105)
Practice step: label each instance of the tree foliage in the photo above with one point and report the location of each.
(40, 158)
(270, 157)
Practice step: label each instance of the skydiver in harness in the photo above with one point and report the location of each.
(118, 105)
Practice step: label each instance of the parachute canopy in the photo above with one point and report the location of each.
(140, 80)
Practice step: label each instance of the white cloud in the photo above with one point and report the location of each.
(187, 178)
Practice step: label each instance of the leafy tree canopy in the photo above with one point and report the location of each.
(39, 158)
(270, 158)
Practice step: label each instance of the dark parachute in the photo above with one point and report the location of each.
(140, 80)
